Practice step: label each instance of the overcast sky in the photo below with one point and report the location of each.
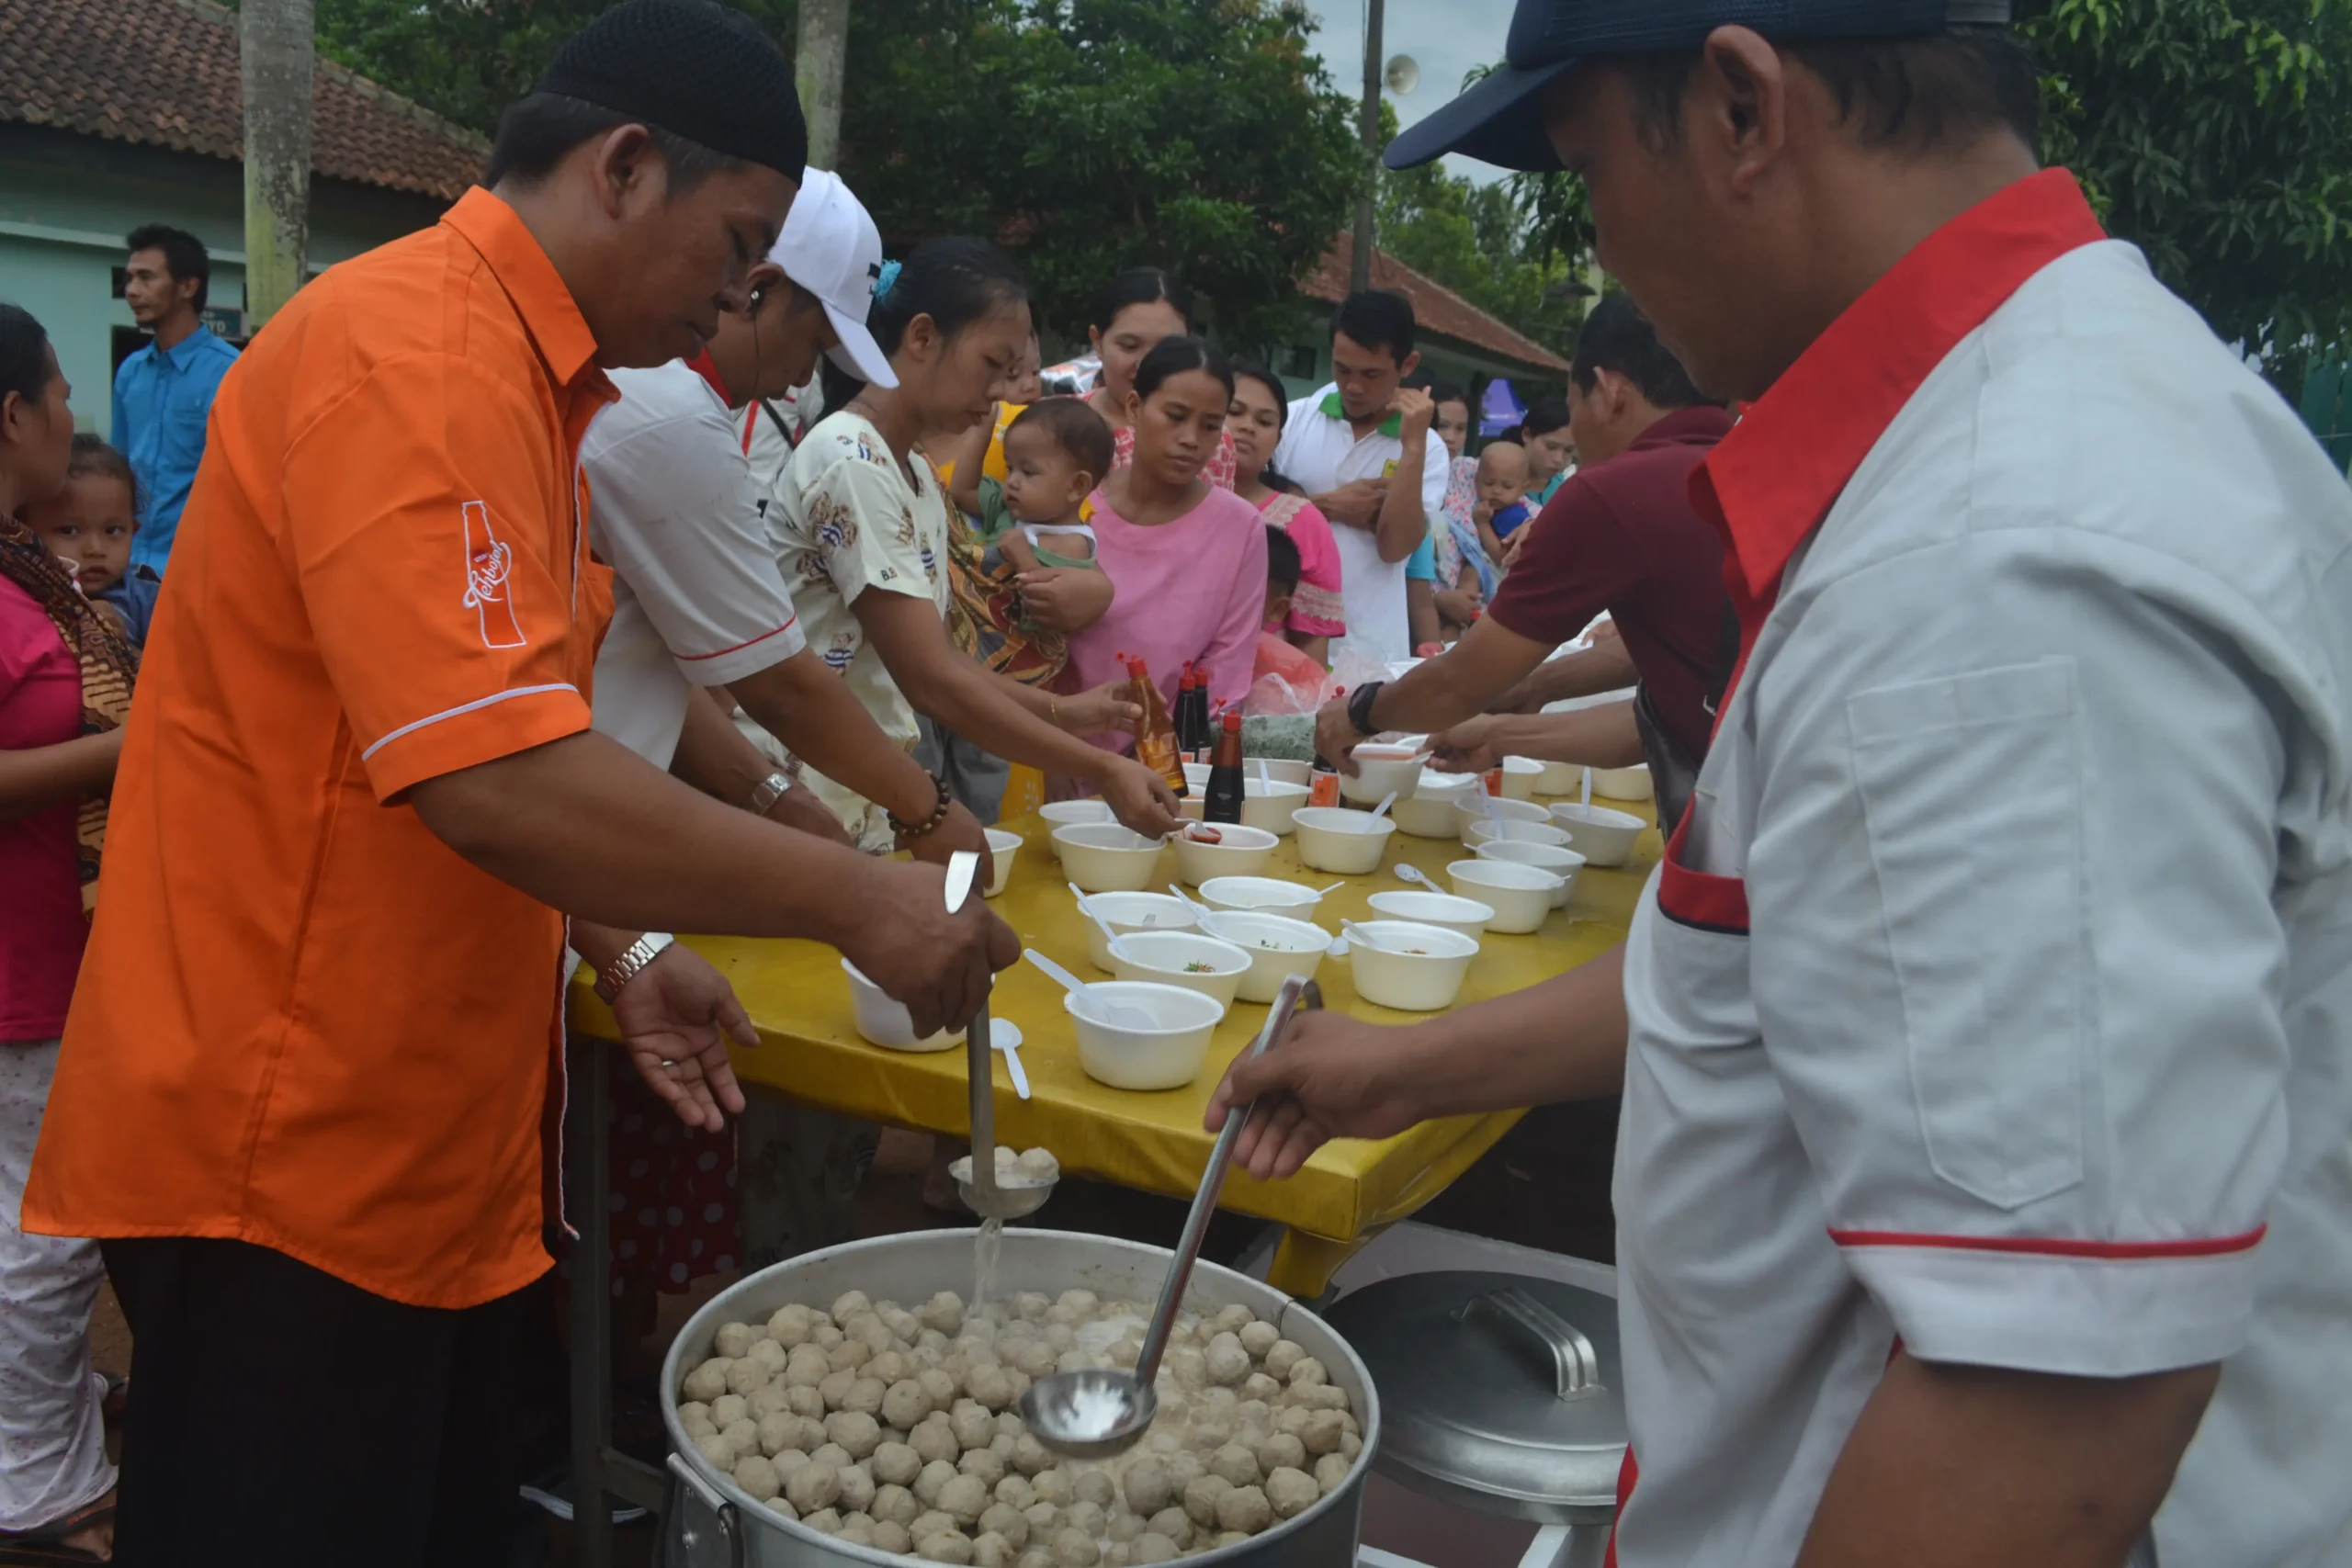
(1447, 37)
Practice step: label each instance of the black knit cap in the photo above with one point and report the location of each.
(693, 68)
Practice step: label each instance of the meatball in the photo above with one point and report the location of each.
(1148, 1486)
(1308, 1372)
(812, 1486)
(1258, 1338)
(733, 1340)
(934, 1441)
(1153, 1547)
(1054, 1486)
(943, 1312)
(1323, 1432)
(1244, 1508)
(1004, 1519)
(1075, 1549)
(1201, 1497)
(858, 1433)
(1283, 1357)
(947, 1546)
(1235, 1464)
(1280, 1451)
(983, 1464)
(932, 1480)
(1175, 1524)
(989, 1386)
(755, 1473)
(891, 1535)
(708, 1381)
(964, 1496)
(1016, 1490)
(895, 1504)
(789, 1325)
(904, 1404)
(859, 1490)
(1095, 1486)
(1290, 1491)
(898, 1463)
(1330, 1471)
(990, 1550)
(865, 1396)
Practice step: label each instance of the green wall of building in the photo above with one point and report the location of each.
(67, 201)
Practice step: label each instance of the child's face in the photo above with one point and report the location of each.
(1502, 475)
(1043, 483)
(88, 525)
(1452, 424)
(1026, 382)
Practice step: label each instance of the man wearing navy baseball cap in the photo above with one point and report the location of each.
(1984, 1031)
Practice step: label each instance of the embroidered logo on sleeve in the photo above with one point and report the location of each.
(489, 568)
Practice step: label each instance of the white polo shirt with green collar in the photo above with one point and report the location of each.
(1320, 452)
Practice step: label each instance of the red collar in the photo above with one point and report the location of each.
(1771, 481)
(703, 365)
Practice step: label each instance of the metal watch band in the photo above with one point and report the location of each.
(631, 963)
(769, 790)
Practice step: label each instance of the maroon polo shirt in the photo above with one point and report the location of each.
(1622, 536)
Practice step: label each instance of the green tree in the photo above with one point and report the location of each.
(1483, 241)
(2216, 136)
(1083, 135)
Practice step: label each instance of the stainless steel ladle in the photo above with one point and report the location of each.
(1100, 1412)
(982, 1193)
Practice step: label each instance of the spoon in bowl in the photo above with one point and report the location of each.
(1114, 1015)
(1355, 933)
(1418, 877)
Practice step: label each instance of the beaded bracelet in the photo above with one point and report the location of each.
(931, 824)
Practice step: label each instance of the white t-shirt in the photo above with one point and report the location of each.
(699, 599)
(1996, 1000)
(1319, 452)
(847, 523)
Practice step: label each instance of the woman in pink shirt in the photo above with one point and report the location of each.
(66, 674)
(1261, 406)
(1188, 560)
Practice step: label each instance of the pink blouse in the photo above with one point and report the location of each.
(1315, 610)
(1192, 589)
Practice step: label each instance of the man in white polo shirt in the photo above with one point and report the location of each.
(699, 603)
(1356, 447)
(1984, 1174)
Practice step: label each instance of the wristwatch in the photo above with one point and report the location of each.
(769, 790)
(630, 964)
(1360, 706)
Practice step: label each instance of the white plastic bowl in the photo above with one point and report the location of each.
(884, 1022)
(1299, 773)
(1559, 861)
(1520, 895)
(1261, 895)
(1471, 809)
(1602, 836)
(1468, 916)
(1163, 958)
(1379, 769)
(1559, 778)
(1333, 839)
(1514, 833)
(1060, 814)
(1264, 806)
(1104, 857)
(1167, 1056)
(1430, 811)
(1622, 783)
(1520, 775)
(1003, 846)
(1127, 912)
(1242, 851)
(1277, 947)
(1424, 980)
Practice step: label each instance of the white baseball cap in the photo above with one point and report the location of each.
(831, 247)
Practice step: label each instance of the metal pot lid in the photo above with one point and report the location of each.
(1499, 1387)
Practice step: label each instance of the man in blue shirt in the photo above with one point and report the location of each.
(162, 394)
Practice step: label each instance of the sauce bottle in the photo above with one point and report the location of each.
(1155, 730)
(1323, 784)
(1226, 787)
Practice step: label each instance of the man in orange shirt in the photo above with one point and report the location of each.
(312, 1075)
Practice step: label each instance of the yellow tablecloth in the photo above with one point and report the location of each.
(810, 1050)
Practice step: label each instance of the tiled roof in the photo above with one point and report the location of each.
(1436, 309)
(164, 74)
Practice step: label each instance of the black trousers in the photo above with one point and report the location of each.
(282, 1416)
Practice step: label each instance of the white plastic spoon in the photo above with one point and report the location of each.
(1355, 933)
(1417, 876)
(1118, 1015)
(1005, 1035)
(1584, 802)
(1326, 892)
(1088, 911)
(1197, 909)
(1386, 801)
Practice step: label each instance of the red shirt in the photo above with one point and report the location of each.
(1622, 537)
(41, 928)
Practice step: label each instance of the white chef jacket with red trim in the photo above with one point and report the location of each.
(1996, 998)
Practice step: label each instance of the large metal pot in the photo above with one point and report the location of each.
(714, 1523)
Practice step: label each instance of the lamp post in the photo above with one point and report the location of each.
(1360, 273)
